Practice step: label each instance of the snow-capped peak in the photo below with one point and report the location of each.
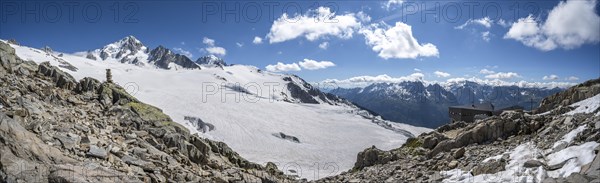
(211, 60)
(122, 48)
(127, 50)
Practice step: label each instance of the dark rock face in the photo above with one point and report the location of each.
(211, 60)
(54, 129)
(284, 136)
(303, 92)
(162, 57)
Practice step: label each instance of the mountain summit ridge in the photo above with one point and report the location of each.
(131, 50)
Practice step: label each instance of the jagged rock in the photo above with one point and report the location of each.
(13, 41)
(61, 79)
(98, 152)
(162, 57)
(87, 84)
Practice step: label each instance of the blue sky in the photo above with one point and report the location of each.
(512, 40)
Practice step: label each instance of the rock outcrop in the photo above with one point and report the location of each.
(163, 57)
(574, 94)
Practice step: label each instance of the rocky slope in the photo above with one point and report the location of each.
(572, 95)
(512, 147)
(56, 129)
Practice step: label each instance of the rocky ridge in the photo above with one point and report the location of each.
(56, 129)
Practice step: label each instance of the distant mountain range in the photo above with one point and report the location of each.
(420, 104)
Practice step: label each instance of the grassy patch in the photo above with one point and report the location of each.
(412, 143)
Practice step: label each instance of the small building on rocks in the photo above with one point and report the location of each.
(468, 112)
(472, 112)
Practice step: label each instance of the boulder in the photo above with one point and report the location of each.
(532, 164)
(372, 156)
(97, 152)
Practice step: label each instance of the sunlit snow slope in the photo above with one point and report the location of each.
(330, 136)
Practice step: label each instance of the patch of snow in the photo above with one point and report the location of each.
(568, 138)
(588, 105)
(577, 157)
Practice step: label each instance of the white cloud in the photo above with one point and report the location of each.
(485, 22)
(572, 78)
(184, 52)
(363, 17)
(313, 25)
(315, 65)
(491, 66)
(281, 67)
(417, 70)
(212, 49)
(485, 71)
(257, 40)
(239, 44)
(503, 23)
(569, 25)
(182, 43)
(522, 83)
(441, 74)
(396, 42)
(486, 36)
(324, 45)
(551, 77)
(503, 75)
(359, 81)
(208, 41)
(216, 50)
(391, 3)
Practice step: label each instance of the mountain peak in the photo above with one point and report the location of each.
(211, 60)
(125, 50)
